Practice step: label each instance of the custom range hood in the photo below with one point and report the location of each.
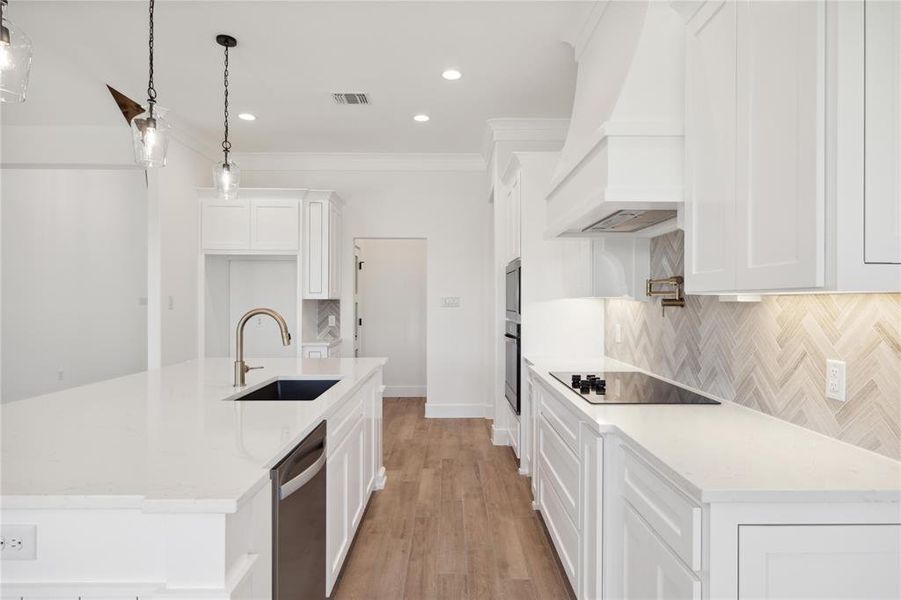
(621, 168)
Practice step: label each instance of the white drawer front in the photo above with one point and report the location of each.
(563, 532)
(650, 570)
(672, 515)
(559, 464)
(560, 417)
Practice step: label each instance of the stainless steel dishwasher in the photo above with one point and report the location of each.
(298, 521)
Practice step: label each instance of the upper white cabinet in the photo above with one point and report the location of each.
(513, 207)
(322, 245)
(792, 174)
(882, 215)
(259, 221)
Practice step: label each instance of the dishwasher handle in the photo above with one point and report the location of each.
(304, 478)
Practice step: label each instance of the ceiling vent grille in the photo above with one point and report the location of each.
(350, 98)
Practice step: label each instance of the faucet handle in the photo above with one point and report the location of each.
(252, 368)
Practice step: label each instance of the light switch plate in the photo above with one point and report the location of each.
(18, 542)
(332, 321)
(836, 382)
(450, 302)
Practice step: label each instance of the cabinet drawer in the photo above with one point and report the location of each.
(345, 418)
(563, 532)
(558, 463)
(560, 417)
(650, 569)
(671, 514)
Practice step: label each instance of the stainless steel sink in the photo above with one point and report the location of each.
(293, 390)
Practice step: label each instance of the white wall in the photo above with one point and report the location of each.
(74, 271)
(448, 209)
(393, 308)
(178, 246)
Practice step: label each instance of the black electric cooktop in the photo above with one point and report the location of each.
(626, 387)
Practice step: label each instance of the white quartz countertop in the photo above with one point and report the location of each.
(170, 439)
(730, 453)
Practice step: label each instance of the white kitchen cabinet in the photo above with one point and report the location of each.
(710, 147)
(514, 218)
(275, 224)
(260, 221)
(650, 570)
(225, 225)
(820, 561)
(354, 467)
(322, 245)
(792, 147)
(567, 484)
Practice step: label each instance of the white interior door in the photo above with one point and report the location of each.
(358, 324)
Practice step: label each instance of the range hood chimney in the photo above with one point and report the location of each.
(624, 151)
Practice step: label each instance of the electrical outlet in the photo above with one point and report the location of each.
(617, 333)
(332, 321)
(18, 542)
(836, 383)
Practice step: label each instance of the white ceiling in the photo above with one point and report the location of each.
(292, 55)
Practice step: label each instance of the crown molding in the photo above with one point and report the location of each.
(583, 31)
(505, 130)
(361, 161)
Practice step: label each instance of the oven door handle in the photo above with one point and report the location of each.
(304, 478)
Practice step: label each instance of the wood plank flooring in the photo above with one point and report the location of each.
(454, 520)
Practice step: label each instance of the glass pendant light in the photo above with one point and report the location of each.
(150, 129)
(15, 59)
(226, 175)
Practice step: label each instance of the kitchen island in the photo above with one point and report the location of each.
(157, 484)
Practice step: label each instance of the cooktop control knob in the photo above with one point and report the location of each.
(585, 387)
(577, 381)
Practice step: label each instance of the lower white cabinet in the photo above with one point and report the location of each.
(624, 529)
(820, 561)
(353, 465)
(650, 569)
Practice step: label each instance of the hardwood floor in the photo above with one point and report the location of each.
(454, 520)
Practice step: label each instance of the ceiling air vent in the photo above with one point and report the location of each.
(350, 98)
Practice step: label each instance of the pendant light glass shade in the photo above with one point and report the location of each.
(150, 136)
(15, 61)
(227, 178)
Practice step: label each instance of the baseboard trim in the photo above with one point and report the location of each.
(381, 479)
(405, 391)
(454, 411)
(500, 437)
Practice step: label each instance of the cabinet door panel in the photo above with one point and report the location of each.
(710, 148)
(820, 561)
(338, 534)
(315, 228)
(780, 166)
(225, 225)
(882, 210)
(274, 224)
(650, 570)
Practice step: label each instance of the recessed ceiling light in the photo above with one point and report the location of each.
(452, 74)
(247, 117)
(421, 118)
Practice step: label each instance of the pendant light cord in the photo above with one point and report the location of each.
(151, 91)
(226, 145)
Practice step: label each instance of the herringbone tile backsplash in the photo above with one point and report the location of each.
(771, 355)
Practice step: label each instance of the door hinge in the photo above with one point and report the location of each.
(360, 322)
(360, 265)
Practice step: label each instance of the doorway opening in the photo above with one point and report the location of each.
(390, 310)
